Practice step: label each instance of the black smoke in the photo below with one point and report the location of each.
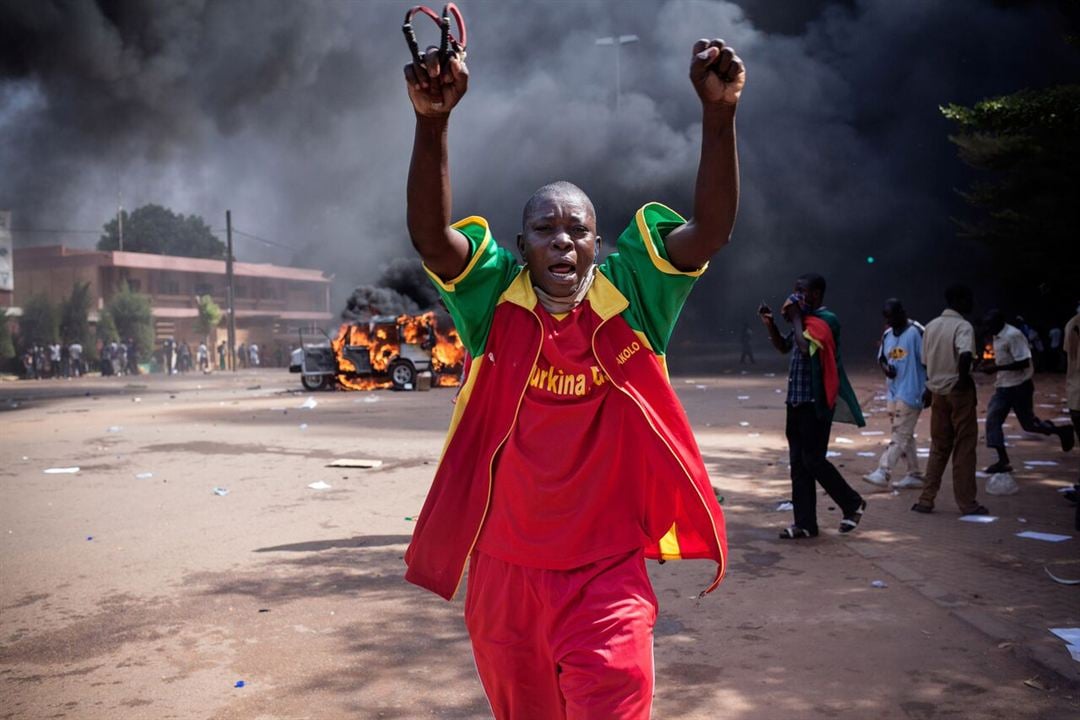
(294, 115)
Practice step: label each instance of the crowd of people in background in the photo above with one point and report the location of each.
(172, 357)
(924, 367)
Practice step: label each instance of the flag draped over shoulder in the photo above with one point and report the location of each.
(832, 391)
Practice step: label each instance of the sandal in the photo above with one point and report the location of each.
(924, 509)
(850, 522)
(979, 510)
(796, 533)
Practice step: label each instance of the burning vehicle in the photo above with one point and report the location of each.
(383, 352)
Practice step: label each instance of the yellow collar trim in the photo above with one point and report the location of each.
(604, 298)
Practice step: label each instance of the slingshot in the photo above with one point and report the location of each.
(448, 44)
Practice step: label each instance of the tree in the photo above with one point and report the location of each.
(75, 316)
(158, 230)
(7, 347)
(209, 317)
(133, 318)
(106, 328)
(1025, 148)
(38, 324)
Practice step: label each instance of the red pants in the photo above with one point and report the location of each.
(552, 644)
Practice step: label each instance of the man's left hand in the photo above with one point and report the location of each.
(717, 73)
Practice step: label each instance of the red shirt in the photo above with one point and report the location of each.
(568, 487)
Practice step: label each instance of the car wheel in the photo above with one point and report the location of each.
(402, 375)
(314, 382)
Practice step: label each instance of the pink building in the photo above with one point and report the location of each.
(272, 301)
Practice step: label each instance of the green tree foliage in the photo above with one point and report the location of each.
(39, 324)
(133, 318)
(1026, 149)
(106, 328)
(75, 316)
(7, 347)
(209, 316)
(158, 230)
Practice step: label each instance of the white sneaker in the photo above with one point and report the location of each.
(878, 477)
(908, 482)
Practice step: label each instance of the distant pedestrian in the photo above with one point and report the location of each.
(745, 336)
(1072, 387)
(202, 355)
(949, 351)
(1014, 391)
(221, 355)
(183, 362)
(241, 355)
(901, 359)
(55, 356)
(253, 355)
(818, 393)
(131, 356)
(75, 351)
(1055, 357)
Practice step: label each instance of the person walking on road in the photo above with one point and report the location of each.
(901, 359)
(1014, 391)
(1072, 388)
(818, 393)
(949, 351)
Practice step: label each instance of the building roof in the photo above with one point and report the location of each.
(61, 255)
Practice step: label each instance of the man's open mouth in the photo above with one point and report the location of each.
(563, 271)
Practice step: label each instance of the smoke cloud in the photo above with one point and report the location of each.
(294, 116)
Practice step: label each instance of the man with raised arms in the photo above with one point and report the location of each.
(569, 459)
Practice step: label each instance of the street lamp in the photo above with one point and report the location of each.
(617, 42)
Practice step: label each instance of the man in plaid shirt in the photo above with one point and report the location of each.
(810, 413)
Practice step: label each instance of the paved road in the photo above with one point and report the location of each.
(123, 595)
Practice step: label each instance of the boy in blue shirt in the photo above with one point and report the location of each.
(900, 358)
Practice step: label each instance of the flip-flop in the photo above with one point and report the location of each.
(796, 533)
(850, 522)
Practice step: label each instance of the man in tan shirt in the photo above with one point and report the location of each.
(949, 350)
(1072, 384)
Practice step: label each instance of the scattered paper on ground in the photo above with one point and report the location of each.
(1041, 463)
(1045, 537)
(845, 441)
(355, 463)
(868, 433)
(309, 403)
(61, 471)
(319, 485)
(979, 518)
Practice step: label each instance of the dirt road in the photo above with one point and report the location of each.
(131, 590)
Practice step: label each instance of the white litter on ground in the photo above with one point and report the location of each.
(355, 463)
(866, 454)
(832, 454)
(744, 424)
(319, 485)
(980, 519)
(784, 506)
(743, 397)
(869, 433)
(1041, 463)
(845, 441)
(144, 476)
(61, 471)
(1045, 537)
(309, 404)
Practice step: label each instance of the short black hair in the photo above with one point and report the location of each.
(892, 305)
(559, 187)
(813, 281)
(957, 294)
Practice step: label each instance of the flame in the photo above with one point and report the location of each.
(447, 354)
(988, 351)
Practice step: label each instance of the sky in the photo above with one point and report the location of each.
(293, 114)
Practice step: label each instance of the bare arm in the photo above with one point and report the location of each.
(718, 76)
(434, 92)
(781, 343)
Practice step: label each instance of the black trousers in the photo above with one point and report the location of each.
(808, 441)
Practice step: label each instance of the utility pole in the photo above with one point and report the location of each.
(229, 290)
(617, 42)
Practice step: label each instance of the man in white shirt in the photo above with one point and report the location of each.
(1014, 391)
